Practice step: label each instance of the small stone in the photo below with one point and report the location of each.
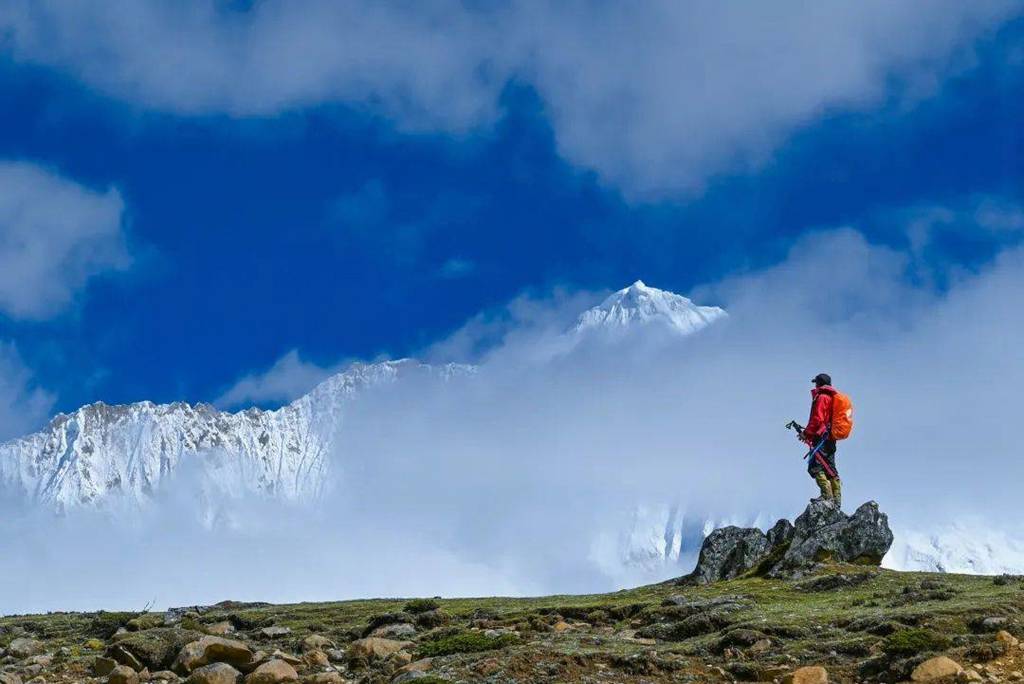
(970, 676)
(124, 657)
(275, 631)
(1007, 638)
(273, 672)
(807, 675)
(325, 678)
(421, 665)
(215, 673)
(375, 648)
(163, 676)
(286, 657)
(103, 666)
(315, 659)
(211, 649)
(122, 674)
(316, 642)
(220, 628)
(561, 626)
(398, 630)
(23, 647)
(336, 655)
(936, 668)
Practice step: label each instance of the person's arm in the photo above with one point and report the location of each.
(818, 420)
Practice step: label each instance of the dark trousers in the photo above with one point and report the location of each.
(828, 453)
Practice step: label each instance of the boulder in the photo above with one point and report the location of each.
(273, 672)
(23, 647)
(275, 631)
(215, 673)
(729, 552)
(399, 630)
(316, 642)
(936, 668)
(821, 533)
(211, 649)
(219, 628)
(824, 533)
(122, 674)
(807, 675)
(152, 648)
(325, 678)
(101, 666)
(375, 648)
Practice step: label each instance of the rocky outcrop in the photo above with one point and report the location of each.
(822, 533)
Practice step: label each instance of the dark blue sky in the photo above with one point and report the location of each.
(324, 228)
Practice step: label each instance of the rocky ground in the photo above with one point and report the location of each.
(828, 620)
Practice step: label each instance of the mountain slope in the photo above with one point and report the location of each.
(99, 450)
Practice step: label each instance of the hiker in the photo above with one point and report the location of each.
(822, 466)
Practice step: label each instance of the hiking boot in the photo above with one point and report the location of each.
(837, 492)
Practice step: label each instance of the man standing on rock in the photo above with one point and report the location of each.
(822, 465)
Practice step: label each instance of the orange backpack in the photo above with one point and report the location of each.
(842, 416)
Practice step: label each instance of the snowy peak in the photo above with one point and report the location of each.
(642, 305)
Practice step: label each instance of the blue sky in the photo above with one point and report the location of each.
(243, 182)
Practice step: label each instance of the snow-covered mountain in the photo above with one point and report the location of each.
(640, 305)
(100, 452)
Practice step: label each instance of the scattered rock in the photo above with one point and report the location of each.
(316, 642)
(1007, 638)
(102, 666)
(220, 628)
(272, 672)
(968, 676)
(935, 668)
(23, 647)
(729, 552)
(316, 660)
(375, 648)
(807, 675)
(211, 649)
(215, 673)
(152, 648)
(122, 674)
(275, 631)
(325, 678)
(561, 626)
(123, 656)
(9, 678)
(399, 630)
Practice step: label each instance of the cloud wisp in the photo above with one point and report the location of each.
(656, 98)
(287, 379)
(55, 235)
(510, 480)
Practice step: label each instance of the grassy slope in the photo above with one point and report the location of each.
(805, 627)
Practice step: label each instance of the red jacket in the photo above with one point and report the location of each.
(821, 412)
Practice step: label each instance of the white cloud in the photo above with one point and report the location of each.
(656, 97)
(516, 474)
(23, 406)
(289, 378)
(55, 235)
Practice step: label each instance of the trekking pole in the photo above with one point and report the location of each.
(815, 452)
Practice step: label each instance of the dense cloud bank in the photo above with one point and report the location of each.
(512, 479)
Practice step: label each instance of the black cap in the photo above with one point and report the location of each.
(822, 379)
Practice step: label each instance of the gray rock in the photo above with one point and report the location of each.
(824, 533)
(781, 533)
(275, 631)
(821, 533)
(23, 647)
(729, 552)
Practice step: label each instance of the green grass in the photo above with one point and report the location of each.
(464, 642)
